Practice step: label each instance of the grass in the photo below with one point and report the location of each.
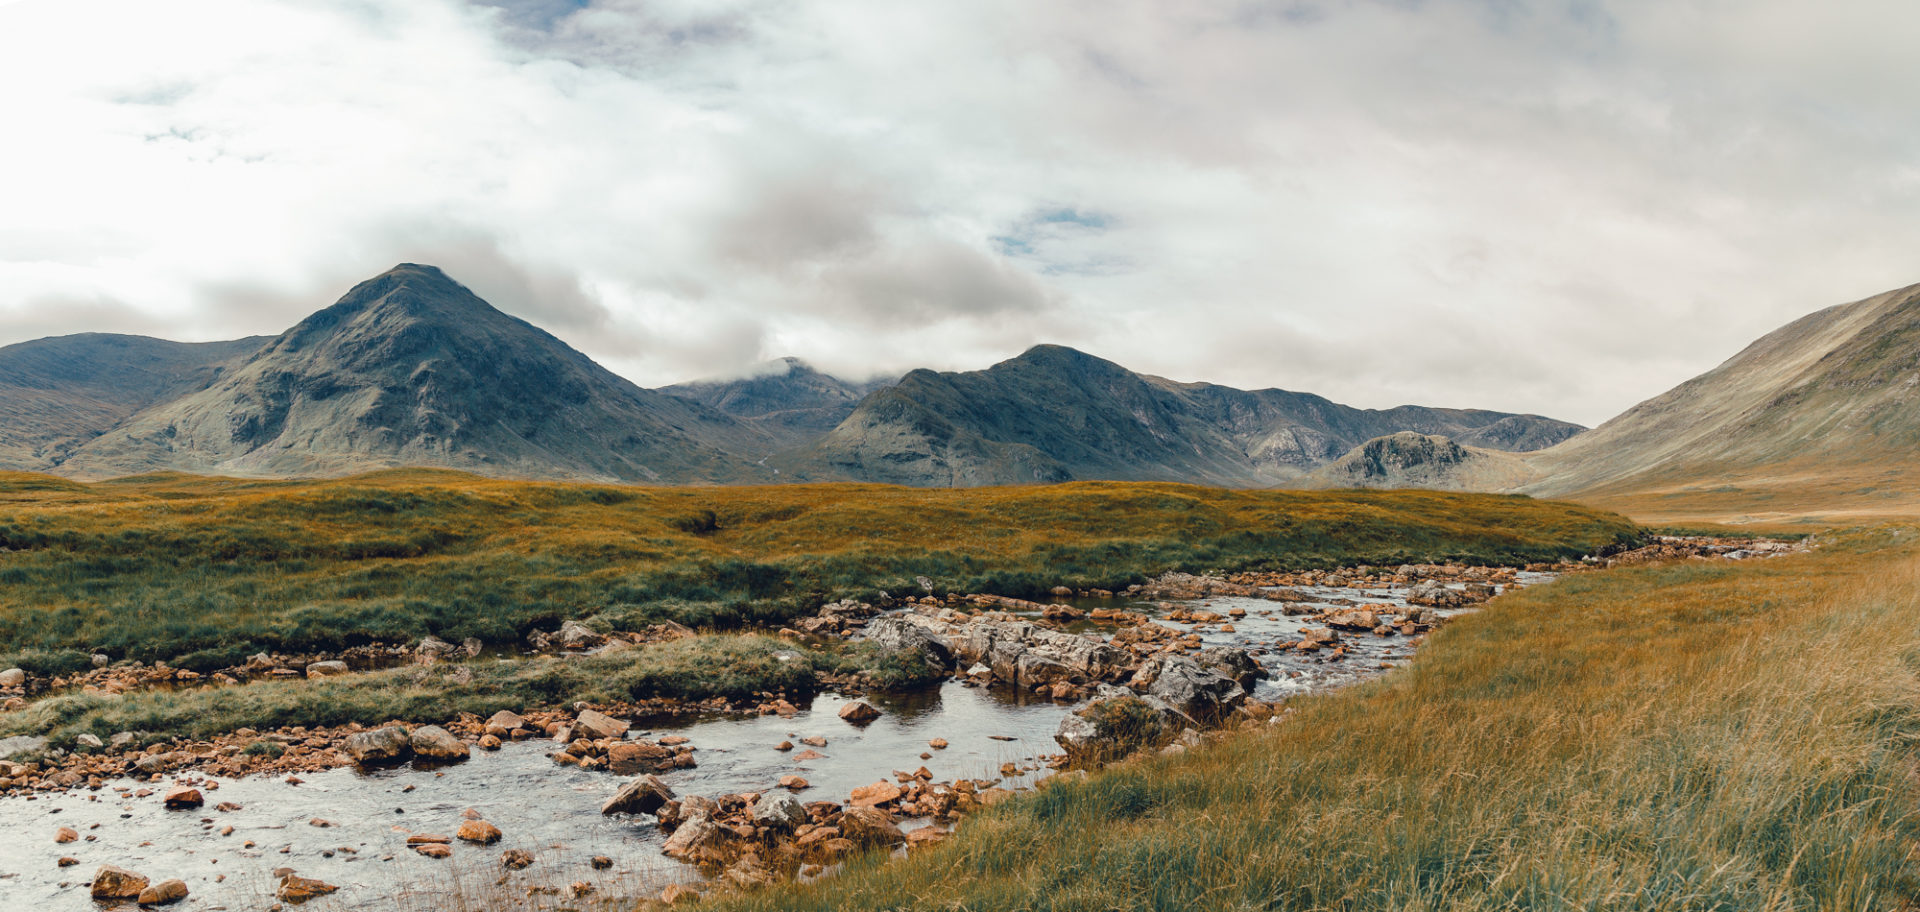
(201, 572)
(734, 667)
(1694, 736)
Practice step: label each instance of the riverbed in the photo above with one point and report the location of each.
(552, 811)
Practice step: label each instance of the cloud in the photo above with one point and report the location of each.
(1555, 207)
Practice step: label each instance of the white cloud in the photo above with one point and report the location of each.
(1558, 207)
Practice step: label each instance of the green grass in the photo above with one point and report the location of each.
(202, 571)
(734, 667)
(1694, 736)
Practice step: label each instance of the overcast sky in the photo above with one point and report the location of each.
(1557, 207)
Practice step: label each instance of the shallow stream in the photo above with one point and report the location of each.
(553, 811)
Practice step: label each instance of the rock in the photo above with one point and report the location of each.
(1200, 694)
(697, 839)
(489, 743)
(643, 795)
(905, 634)
(870, 826)
(13, 677)
(578, 637)
(877, 793)
(601, 862)
(296, 889)
(594, 724)
(1115, 726)
(675, 894)
(806, 755)
(434, 849)
(433, 647)
(631, 758)
(925, 836)
(793, 782)
(171, 890)
(64, 835)
(938, 744)
(859, 713)
(89, 741)
(117, 883)
(504, 722)
(99, 660)
(779, 810)
(21, 744)
(327, 669)
(67, 861)
(516, 859)
(1231, 662)
(478, 832)
(431, 742)
(183, 798)
(1351, 619)
(382, 745)
(472, 647)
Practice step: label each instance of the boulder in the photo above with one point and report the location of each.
(21, 744)
(859, 713)
(779, 810)
(642, 795)
(296, 889)
(382, 745)
(631, 758)
(434, 647)
(877, 793)
(171, 890)
(504, 722)
(697, 839)
(914, 635)
(183, 798)
(578, 637)
(89, 740)
(1352, 619)
(64, 835)
(1115, 726)
(327, 669)
(870, 826)
(1181, 683)
(13, 677)
(431, 742)
(112, 882)
(478, 832)
(1231, 662)
(595, 724)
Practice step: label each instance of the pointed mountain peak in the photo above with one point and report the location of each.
(1048, 356)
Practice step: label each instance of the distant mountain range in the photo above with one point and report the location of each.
(411, 368)
(1821, 415)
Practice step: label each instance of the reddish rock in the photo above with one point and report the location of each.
(876, 794)
(117, 883)
(479, 832)
(859, 713)
(184, 798)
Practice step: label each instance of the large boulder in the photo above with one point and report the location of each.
(779, 810)
(431, 742)
(166, 892)
(578, 637)
(870, 826)
(380, 746)
(595, 724)
(859, 713)
(329, 669)
(914, 635)
(13, 677)
(112, 882)
(642, 795)
(698, 840)
(1115, 725)
(630, 758)
(1203, 695)
(1231, 662)
(1003, 645)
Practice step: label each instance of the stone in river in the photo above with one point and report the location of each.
(171, 890)
(859, 713)
(112, 882)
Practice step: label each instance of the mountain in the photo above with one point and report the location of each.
(410, 368)
(57, 394)
(1830, 400)
(1413, 460)
(1054, 414)
(787, 398)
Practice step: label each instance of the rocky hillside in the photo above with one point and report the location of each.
(57, 394)
(1054, 414)
(1834, 393)
(1413, 460)
(788, 399)
(410, 368)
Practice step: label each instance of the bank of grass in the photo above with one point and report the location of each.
(203, 571)
(696, 668)
(1699, 736)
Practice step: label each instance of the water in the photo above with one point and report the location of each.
(552, 811)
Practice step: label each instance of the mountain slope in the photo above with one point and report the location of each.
(1054, 414)
(410, 368)
(788, 399)
(1834, 395)
(1413, 460)
(56, 394)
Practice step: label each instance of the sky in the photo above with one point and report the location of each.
(1559, 207)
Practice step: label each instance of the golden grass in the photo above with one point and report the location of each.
(1685, 737)
(203, 570)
